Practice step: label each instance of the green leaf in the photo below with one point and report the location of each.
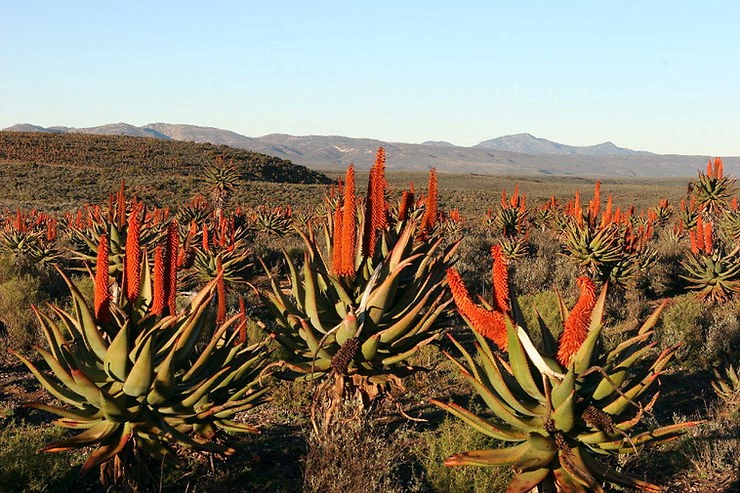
(139, 379)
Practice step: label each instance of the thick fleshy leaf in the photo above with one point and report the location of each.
(500, 432)
(488, 457)
(520, 364)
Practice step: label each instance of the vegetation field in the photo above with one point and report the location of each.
(219, 329)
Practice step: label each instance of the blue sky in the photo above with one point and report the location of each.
(649, 75)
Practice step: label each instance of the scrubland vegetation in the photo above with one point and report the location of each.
(461, 334)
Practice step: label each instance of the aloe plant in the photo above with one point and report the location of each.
(564, 410)
(135, 383)
(714, 276)
(713, 190)
(355, 314)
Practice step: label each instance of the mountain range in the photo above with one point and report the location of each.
(512, 154)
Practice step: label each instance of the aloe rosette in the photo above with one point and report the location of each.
(565, 410)
(364, 327)
(356, 311)
(137, 383)
(715, 275)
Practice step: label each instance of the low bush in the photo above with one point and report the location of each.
(22, 468)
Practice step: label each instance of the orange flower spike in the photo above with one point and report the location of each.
(710, 169)
(205, 238)
(102, 296)
(51, 229)
(349, 225)
(490, 324)
(133, 253)
(523, 203)
(575, 328)
(160, 282)
(375, 206)
(733, 204)
(220, 292)
(515, 196)
(380, 208)
(700, 233)
(171, 266)
(577, 212)
(708, 244)
(718, 168)
(500, 275)
(407, 199)
(596, 207)
(694, 245)
(430, 215)
(617, 216)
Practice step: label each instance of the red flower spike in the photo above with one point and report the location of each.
(708, 244)
(132, 259)
(490, 324)
(718, 168)
(500, 275)
(205, 238)
(160, 282)
(171, 266)
(430, 214)
(577, 212)
(349, 226)
(692, 240)
(375, 205)
(407, 199)
(575, 328)
(699, 233)
(102, 296)
(515, 196)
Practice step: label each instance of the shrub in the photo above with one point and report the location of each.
(16, 297)
(722, 340)
(23, 469)
(684, 322)
(353, 456)
(453, 436)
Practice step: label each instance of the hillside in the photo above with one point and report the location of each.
(521, 154)
(55, 170)
(145, 154)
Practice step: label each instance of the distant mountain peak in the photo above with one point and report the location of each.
(526, 143)
(437, 143)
